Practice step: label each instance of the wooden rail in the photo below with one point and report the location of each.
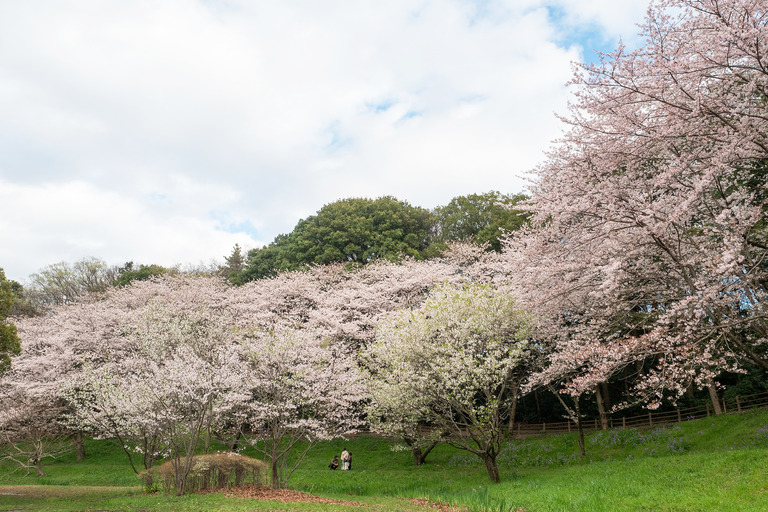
(733, 405)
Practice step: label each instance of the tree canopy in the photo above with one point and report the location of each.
(9, 340)
(651, 211)
(451, 363)
(480, 218)
(354, 230)
(63, 283)
(128, 273)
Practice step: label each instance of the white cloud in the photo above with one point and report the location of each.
(189, 118)
(64, 222)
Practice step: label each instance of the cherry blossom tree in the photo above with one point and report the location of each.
(650, 212)
(395, 413)
(452, 360)
(31, 426)
(65, 351)
(180, 375)
(32, 398)
(160, 363)
(299, 387)
(345, 304)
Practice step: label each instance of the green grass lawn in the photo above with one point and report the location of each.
(716, 464)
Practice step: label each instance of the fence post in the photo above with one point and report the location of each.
(518, 429)
(679, 417)
(724, 409)
(623, 422)
(650, 418)
(569, 425)
(707, 410)
(738, 405)
(595, 423)
(543, 427)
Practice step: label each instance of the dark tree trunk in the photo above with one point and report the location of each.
(77, 440)
(39, 466)
(601, 408)
(513, 409)
(491, 467)
(236, 443)
(715, 399)
(580, 427)
(275, 475)
(419, 454)
(606, 395)
(149, 455)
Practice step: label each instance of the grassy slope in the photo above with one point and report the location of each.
(713, 464)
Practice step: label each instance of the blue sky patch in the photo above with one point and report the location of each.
(224, 223)
(381, 106)
(590, 37)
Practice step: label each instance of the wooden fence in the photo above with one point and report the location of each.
(734, 405)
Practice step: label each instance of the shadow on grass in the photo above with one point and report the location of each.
(62, 491)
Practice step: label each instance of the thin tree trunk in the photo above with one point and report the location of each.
(181, 478)
(513, 409)
(128, 453)
(275, 466)
(236, 443)
(715, 399)
(573, 413)
(582, 448)
(275, 475)
(601, 408)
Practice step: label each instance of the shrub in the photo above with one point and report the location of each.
(209, 472)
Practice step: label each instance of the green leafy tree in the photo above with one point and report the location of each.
(350, 230)
(233, 265)
(64, 283)
(482, 218)
(9, 340)
(129, 274)
(23, 305)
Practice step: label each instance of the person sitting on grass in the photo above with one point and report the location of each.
(345, 460)
(334, 462)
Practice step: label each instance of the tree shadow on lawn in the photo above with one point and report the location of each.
(63, 491)
(22, 497)
(41, 492)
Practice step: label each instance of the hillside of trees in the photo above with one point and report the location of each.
(635, 275)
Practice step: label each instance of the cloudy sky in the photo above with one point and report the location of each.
(166, 131)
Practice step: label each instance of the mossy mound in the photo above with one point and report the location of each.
(209, 472)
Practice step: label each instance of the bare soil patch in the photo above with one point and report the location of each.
(282, 495)
(289, 496)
